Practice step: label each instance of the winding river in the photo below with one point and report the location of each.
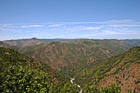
(76, 84)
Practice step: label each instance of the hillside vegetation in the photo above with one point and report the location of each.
(121, 70)
(73, 57)
(98, 66)
(21, 74)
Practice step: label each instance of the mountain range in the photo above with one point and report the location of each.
(95, 64)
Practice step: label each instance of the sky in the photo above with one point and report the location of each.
(93, 19)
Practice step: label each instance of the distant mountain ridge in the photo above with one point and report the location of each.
(36, 41)
(135, 42)
(70, 53)
(23, 42)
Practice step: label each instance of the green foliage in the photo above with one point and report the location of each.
(70, 89)
(18, 79)
(130, 91)
(10, 57)
(17, 70)
(21, 74)
(110, 67)
(72, 57)
(23, 79)
(91, 89)
(111, 89)
(95, 89)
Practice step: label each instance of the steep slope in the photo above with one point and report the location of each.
(125, 71)
(10, 57)
(67, 55)
(75, 55)
(122, 70)
(21, 74)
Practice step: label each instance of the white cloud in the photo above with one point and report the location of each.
(2, 38)
(82, 28)
(110, 32)
(120, 21)
(119, 32)
(123, 25)
(10, 30)
(55, 25)
(31, 26)
(74, 29)
(92, 28)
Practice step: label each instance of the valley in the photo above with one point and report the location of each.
(95, 65)
(69, 46)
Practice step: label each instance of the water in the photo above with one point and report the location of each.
(76, 84)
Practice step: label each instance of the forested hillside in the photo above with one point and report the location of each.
(96, 65)
(19, 73)
(121, 70)
(73, 57)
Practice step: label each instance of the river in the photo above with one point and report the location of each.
(76, 84)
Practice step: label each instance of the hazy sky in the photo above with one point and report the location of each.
(117, 19)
